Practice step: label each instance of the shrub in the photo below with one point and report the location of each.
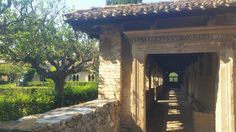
(37, 83)
(78, 94)
(18, 102)
(50, 82)
(13, 70)
(14, 105)
(3, 82)
(28, 77)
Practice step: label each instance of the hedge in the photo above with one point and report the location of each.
(80, 93)
(15, 104)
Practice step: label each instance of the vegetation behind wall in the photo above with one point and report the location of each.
(18, 102)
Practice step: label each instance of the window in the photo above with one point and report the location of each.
(76, 77)
(173, 77)
(91, 77)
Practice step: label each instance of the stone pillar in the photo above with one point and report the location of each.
(234, 81)
(125, 112)
(110, 63)
(224, 100)
(138, 97)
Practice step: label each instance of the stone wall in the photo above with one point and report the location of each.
(110, 63)
(93, 116)
(202, 81)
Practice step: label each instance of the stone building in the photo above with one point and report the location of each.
(81, 76)
(2, 62)
(140, 45)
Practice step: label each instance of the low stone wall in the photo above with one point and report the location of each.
(93, 116)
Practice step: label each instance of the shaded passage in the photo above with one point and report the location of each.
(171, 113)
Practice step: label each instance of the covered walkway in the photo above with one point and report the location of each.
(171, 113)
(141, 45)
(181, 89)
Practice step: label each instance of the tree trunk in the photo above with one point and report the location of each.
(59, 88)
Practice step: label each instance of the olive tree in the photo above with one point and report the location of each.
(49, 45)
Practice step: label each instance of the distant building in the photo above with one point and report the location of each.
(2, 62)
(81, 76)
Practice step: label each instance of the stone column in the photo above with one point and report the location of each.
(224, 100)
(110, 63)
(125, 112)
(234, 81)
(138, 88)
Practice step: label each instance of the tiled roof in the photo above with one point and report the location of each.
(149, 8)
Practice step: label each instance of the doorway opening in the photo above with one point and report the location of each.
(173, 77)
(181, 91)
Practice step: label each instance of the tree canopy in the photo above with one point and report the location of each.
(115, 2)
(42, 39)
(12, 71)
(12, 12)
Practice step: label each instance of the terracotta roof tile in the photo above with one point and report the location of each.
(150, 8)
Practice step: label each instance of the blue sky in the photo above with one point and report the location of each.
(86, 4)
